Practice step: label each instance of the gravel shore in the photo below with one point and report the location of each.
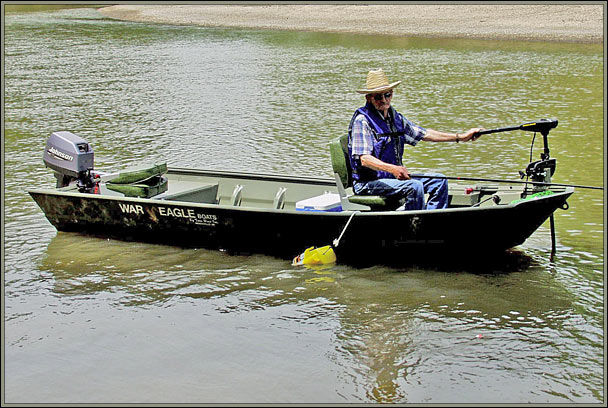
(533, 22)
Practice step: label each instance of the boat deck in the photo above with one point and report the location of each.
(283, 193)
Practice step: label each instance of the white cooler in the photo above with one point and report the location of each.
(324, 202)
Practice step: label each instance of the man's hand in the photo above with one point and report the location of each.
(400, 173)
(471, 134)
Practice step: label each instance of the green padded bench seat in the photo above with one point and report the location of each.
(143, 182)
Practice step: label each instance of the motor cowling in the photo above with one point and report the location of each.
(71, 157)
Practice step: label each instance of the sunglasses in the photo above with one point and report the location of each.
(386, 95)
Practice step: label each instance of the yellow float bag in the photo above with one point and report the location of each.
(316, 256)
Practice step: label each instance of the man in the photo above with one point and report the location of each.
(376, 137)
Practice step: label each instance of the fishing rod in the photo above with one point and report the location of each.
(505, 181)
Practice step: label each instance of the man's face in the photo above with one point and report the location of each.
(381, 100)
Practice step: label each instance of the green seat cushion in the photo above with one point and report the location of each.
(376, 201)
(139, 174)
(338, 160)
(144, 189)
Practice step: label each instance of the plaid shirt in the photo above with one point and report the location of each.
(363, 136)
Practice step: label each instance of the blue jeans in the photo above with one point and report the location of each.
(411, 192)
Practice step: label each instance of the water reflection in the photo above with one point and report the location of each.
(398, 326)
(157, 274)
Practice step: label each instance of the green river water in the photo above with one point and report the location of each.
(89, 320)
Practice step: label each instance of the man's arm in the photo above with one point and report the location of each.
(400, 172)
(437, 136)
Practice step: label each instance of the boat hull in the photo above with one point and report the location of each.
(377, 237)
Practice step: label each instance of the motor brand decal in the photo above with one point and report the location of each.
(60, 155)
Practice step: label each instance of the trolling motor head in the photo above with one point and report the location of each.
(542, 126)
(71, 157)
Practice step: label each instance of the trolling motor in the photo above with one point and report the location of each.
(71, 157)
(540, 170)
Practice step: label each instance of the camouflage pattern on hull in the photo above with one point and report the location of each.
(399, 235)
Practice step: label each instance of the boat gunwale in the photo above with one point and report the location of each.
(247, 176)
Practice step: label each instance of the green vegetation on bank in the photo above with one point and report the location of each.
(31, 8)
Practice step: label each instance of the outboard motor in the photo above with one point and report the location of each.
(71, 157)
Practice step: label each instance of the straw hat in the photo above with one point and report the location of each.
(377, 82)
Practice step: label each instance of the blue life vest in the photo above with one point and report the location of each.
(388, 144)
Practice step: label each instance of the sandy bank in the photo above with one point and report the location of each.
(570, 23)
